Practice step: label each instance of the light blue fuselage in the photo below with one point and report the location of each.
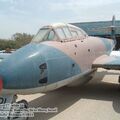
(36, 65)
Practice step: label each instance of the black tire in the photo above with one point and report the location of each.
(25, 103)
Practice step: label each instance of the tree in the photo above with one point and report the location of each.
(17, 40)
(22, 39)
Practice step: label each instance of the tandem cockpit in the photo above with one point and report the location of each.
(59, 32)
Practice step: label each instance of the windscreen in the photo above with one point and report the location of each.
(41, 35)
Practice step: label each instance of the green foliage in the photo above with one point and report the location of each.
(17, 40)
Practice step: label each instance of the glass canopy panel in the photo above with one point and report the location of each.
(67, 32)
(51, 35)
(41, 35)
(60, 33)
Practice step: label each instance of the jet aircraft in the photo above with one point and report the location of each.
(59, 55)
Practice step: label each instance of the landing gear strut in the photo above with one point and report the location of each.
(119, 80)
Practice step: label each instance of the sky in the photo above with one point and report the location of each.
(29, 15)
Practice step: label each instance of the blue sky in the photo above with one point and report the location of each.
(29, 15)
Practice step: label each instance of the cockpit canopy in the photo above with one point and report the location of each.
(59, 32)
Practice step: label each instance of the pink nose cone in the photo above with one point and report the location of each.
(1, 84)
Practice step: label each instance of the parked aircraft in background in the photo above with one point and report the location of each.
(59, 55)
(5, 53)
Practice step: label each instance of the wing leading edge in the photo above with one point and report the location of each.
(107, 62)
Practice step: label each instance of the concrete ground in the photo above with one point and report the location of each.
(98, 100)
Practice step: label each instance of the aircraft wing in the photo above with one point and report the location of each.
(115, 53)
(107, 62)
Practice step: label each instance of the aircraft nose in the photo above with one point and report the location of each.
(19, 70)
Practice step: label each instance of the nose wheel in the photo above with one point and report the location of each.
(23, 107)
(24, 102)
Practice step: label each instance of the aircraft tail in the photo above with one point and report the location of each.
(113, 28)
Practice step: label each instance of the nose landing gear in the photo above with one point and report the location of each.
(7, 100)
(119, 80)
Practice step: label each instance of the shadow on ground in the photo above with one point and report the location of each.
(65, 97)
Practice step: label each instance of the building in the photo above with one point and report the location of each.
(93, 29)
